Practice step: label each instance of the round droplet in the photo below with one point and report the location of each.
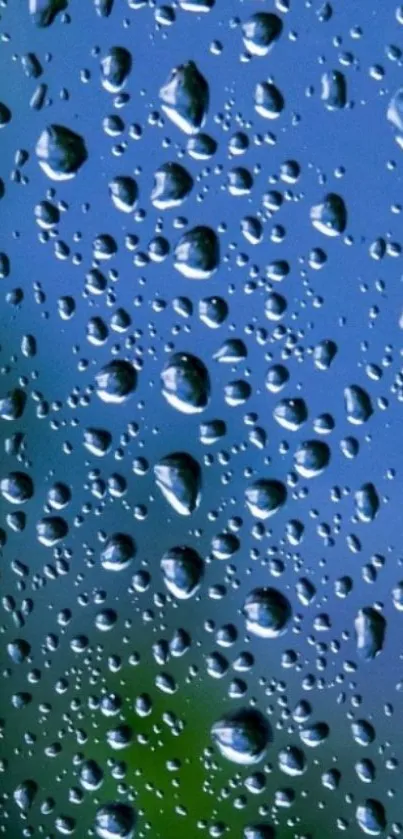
(123, 191)
(186, 383)
(201, 147)
(172, 184)
(371, 817)
(213, 311)
(182, 570)
(97, 441)
(291, 761)
(91, 775)
(118, 552)
(265, 497)
(330, 217)
(51, 530)
(315, 735)
(242, 737)
(324, 353)
(197, 254)
(24, 794)
(60, 152)
(259, 831)
(291, 413)
(18, 650)
(395, 110)
(116, 382)
(260, 32)
(267, 612)
(115, 821)
(115, 69)
(311, 458)
(17, 488)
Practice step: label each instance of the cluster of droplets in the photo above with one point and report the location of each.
(189, 394)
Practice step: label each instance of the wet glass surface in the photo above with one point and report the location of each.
(200, 418)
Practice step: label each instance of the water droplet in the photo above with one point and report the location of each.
(311, 458)
(358, 405)
(267, 612)
(330, 217)
(242, 737)
(334, 90)
(186, 383)
(178, 476)
(115, 821)
(260, 32)
(185, 98)
(44, 12)
(116, 381)
(370, 628)
(172, 184)
(269, 101)
(115, 69)
(291, 413)
(123, 191)
(197, 254)
(118, 552)
(60, 152)
(265, 497)
(371, 817)
(182, 570)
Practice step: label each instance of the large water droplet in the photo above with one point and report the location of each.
(123, 191)
(116, 381)
(182, 569)
(330, 217)
(242, 737)
(334, 90)
(178, 476)
(115, 68)
(265, 497)
(291, 413)
(197, 253)
(186, 383)
(43, 12)
(311, 458)
(118, 552)
(269, 101)
(370, 629)
(172, 185)
(260, 32)
(60, 152)
(17, 488)
(115, 821)
(267, 612)
(358, 404)
(371, 817)
(185, 97)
